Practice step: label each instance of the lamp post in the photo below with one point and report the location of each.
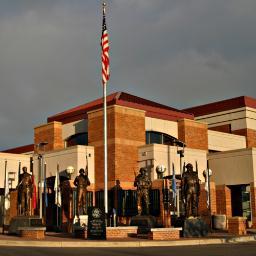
(180, 152)
(41, 174)
(207, 174)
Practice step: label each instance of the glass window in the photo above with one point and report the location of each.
(78, 139)
(153, 137)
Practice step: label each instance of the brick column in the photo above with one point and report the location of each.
(237, 225)
(51, 133)
(202, 207)
(223, 200)
(164, 217)
(13, 204)
(253, 203)
(126, 131)
(193, 133)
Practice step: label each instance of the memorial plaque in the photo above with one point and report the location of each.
(96, 224)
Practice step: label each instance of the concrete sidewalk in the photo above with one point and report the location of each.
(62, 240)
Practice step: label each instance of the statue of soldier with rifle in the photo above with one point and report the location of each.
(25, 191)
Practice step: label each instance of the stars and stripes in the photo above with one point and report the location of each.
(105, 50)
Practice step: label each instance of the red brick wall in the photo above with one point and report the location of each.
(120, 232)
(250, 136)
(33, 234)
(13, 204)
(222, 128)
(253, 203)
(223, 200)
(164, 234)
(202, 207)
(237, 225)
(126, 131)
(51, 133)
(193, 133)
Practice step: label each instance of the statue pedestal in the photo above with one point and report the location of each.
(195, 227)
(19, 222)
(144, 223)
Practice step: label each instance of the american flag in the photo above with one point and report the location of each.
(105, 50)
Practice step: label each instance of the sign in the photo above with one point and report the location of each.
(96, 224)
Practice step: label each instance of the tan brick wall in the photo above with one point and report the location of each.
(51, 133)
(250, 136)
(193, 133)
(126, 131)
(237, 225)
(168, 234)
(223, 200)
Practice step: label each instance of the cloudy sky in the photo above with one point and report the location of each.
(178, 52)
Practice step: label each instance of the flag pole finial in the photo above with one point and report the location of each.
(104, 7)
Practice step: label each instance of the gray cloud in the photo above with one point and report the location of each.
(180, 53)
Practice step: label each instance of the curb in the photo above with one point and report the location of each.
(98, 244)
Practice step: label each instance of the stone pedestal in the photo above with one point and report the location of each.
(144, 223)
(195, 227)
(19, 222)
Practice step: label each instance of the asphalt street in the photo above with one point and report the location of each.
(236, 249)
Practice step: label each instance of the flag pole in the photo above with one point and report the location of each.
(105, 129)
(5, 188)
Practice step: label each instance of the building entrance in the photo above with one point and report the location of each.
(240, 200)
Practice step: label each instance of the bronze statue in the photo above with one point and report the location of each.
(25, 191)
(81, 181)
(190, 191)
(143, 184)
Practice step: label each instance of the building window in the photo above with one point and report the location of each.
(77, 139)
(153, 137)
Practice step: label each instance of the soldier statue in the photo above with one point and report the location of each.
(190, 191)
(81, 182)
(143, 184)
(25, 191)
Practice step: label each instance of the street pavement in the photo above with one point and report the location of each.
(236, 249)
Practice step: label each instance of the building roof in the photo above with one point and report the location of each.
(224, 105)
(152, 109)
(20, 150)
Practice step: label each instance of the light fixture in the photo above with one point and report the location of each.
(70, 170)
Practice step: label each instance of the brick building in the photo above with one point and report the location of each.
(142, 133)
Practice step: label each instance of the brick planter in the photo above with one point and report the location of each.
(164, 234)
(121, 232)
(237, 225)
(32, 232)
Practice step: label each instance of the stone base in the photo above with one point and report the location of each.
(24, 221)
(121, 232)
(32, 232)
(219, 222)
(80, 226)
(195, 227)
(144, 223)
(164, 234)
(80, 232)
